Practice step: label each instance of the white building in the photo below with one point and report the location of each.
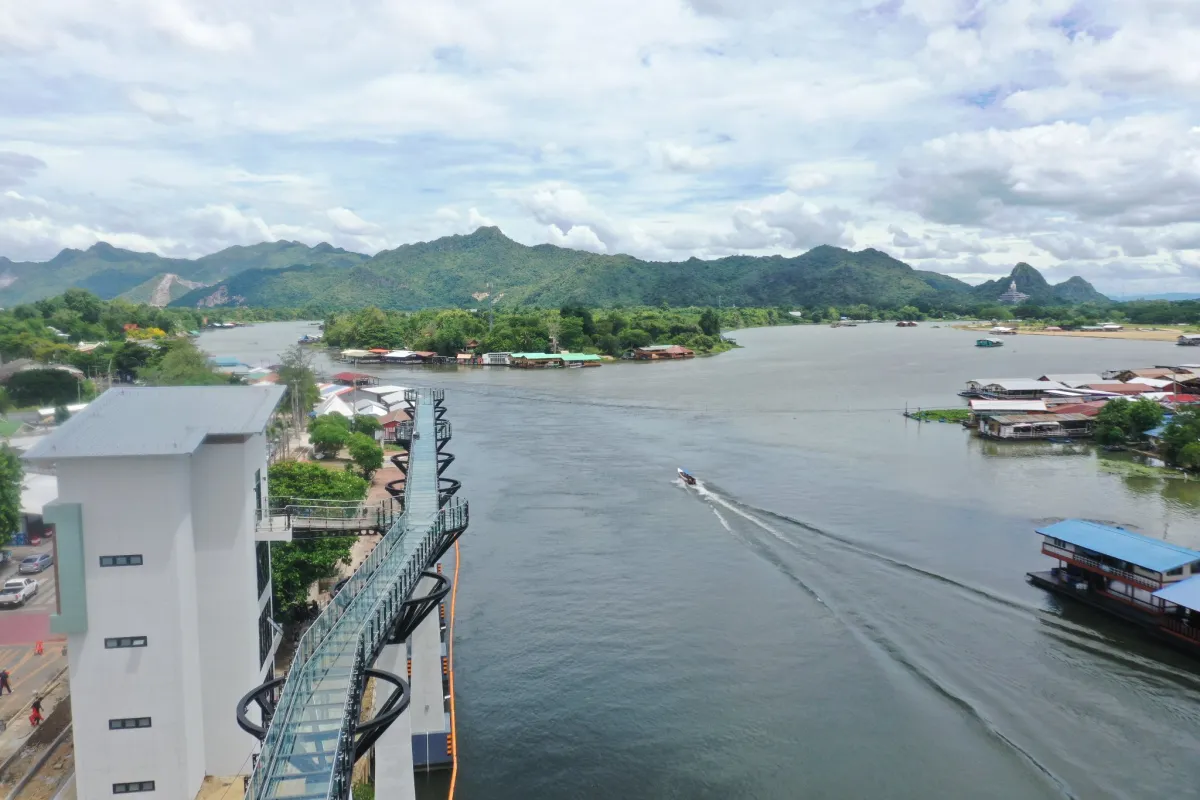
(164, 596)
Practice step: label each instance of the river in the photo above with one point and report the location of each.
(839, 612)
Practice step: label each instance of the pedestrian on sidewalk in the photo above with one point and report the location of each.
(35, 713)
(4, 684)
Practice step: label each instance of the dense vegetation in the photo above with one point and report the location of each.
(11, 476)
(296, 566)
(1122, 420)
(486, 267)
(575, 328)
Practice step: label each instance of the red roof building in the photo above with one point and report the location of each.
(1087, 409)
(355, 379)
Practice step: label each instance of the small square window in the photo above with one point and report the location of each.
(134, 560)
(128, 723)
(124, 641)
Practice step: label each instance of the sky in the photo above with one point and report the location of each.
(960, 136)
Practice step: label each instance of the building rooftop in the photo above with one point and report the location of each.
(1073, 380)
(1144, 551)
(1007, 405)
(169, 420)
(1186, 593)
(1017, 384)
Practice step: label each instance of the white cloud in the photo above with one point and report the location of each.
(682, 157)
(943, 130)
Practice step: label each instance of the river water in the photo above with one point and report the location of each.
(839, 612)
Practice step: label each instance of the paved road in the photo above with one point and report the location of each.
(19, 630)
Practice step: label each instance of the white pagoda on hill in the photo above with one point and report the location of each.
(1012, 295)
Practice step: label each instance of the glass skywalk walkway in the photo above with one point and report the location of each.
(308, 750)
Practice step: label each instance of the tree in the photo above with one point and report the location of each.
(297, 374)
(1182, 431)
(365, 453)
(1112, 423)
(36, 387)
(710, 323)
(1144, 414)
(183, 364)
(365, 423)
(11, 475)
(327, 436)
(61, 415)
(290, 480)
(296, 566)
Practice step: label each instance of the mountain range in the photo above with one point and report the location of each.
(487, 267)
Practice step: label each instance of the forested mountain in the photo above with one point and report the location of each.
(475, 269)
(110, 271)
(486, 266)
(1072, 291)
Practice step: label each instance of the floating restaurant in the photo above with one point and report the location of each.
(1036, 426)
(1147, 581)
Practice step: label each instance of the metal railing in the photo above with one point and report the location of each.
(310, 740)
(1105, 569)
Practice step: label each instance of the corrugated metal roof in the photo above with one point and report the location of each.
(1152, 554)
(1028, 419)
(149, 421)
(579, 357)
(1121, 388)
(1008, 405)
(1185, 593)
(1074, 381)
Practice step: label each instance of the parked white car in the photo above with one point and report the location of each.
(17, 591)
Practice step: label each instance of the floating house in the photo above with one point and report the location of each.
(1001, 330)
(1192, 339)
(1011, 388)
(581, 360)
(1036, 426)
(360, 356)
(355, 379)
(496, 359)
(536, 360)
(1139, 578)
(655, 352)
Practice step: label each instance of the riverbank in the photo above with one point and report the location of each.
(1145, 335)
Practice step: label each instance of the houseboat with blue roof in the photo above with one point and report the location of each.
(1147, 581)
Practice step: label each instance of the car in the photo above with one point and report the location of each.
(36, 563)
(16, 592)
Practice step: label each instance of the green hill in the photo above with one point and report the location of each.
(1072, 291)
(458, 271)
(109, 271)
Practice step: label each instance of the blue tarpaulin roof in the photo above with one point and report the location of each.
(1185, 593)
(1153, 554)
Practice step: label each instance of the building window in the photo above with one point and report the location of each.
(1059, 543)
(128, 722)
(1177, 571)
(262, 554)
(136, 786)
(266, 633)
(121, 561)
(125, 641)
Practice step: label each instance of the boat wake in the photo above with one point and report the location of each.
(889, 631)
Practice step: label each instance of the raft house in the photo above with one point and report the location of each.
(553, 360)
(1147, 581)
(657, 352)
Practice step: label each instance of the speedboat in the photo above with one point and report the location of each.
(687, 477)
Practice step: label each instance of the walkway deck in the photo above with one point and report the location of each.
(310, 741)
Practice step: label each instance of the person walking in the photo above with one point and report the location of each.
(35, 712)
(4, 684)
